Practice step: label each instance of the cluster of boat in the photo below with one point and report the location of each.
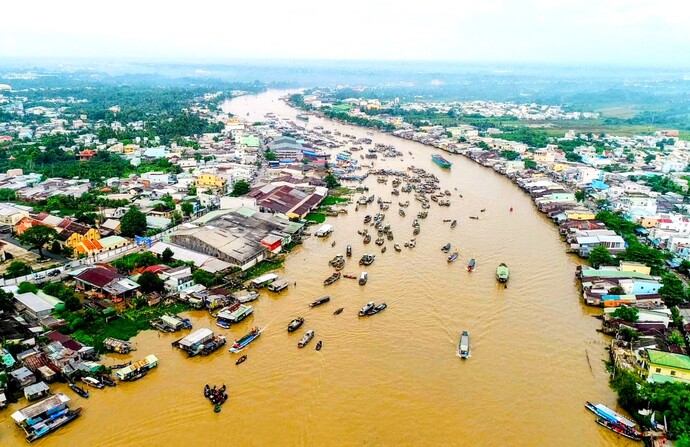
(217, 396)
(614, 421)
(371, 309)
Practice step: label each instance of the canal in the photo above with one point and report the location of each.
(392, 379)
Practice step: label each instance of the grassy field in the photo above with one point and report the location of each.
(331, 200)
(316, 217)
(263, 267)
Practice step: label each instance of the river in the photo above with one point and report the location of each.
(393, 379)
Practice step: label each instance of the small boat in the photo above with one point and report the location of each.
(367, 219)
(363, 278)
(331, 279)
(305, 339)
(319, 345)
(453, 224)
(502, 272)
(474, 217)
(380, 241)
(120, 366)
(401, 212)
(107, 380)
(367, 238)
(295, 324)
(90, 381)
(224, 324)
(614, 421)
(243, 342)
(367, 307)
(397, 247)
(482, 210)
(338, 311)
(619, 429)
(350, 276)
(511, 209)
(138, 375)
(333, 244)
(367, 259)
(320, 301)
(241, 360)
(464, 346)
(453, 256)
(471, 264)
(446, 248)
(79, 390)
(348, 251)
(383, 250)
(377, 309)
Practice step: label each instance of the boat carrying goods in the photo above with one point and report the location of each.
(148, 362)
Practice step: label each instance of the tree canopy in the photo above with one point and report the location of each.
(133, 223)
(38, 236)
(240, 188)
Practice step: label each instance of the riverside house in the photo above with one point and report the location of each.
(667, 367)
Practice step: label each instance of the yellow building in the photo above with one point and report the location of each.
(129, 148)
(211, 181)
(637, 267)
(558, 167)
(667, 367)
(648, 222)
(74, 234)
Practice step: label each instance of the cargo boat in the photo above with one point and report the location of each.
(45, 417)
(502, 273)
(242, 343)
(442, 162)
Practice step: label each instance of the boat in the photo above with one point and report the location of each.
(401, 212)
(107, 380)
(383, 250)
(442, 162)
(380, 241)
(367, 307)
(295, 324)
(446, 248)
(367, 259)
(338, 311)
(471, 264)
(210, 346)
(482, 210)
(331, 279)
(350, 276)
(241, 360)
(79, 390)
(502, 272)
(367, 218)
(137, 375)
(453, 256)
(94, 383)
(120, 366)
(377, 309)
(224, 324)
(303, 117)
(614, 421)
(454, 223)
(319, 345)
(320, 301)
(397, 247)
(348, 251)
(243, 342)
(305, 339)
(474, 217)
(367, 238)
(363, 278)
(51, 423)
(464, 346)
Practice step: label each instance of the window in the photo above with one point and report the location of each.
(658, 370)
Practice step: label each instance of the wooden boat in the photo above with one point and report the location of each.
(367, 238)
(138, 375)
(397, 247)
(446, 248)
(401, 212)
(319, 345)
(350, 276)
(333, 244)
(120, 366)
(320, 301)
(295, 324)
(338, 311)
(502, 272)
(618, 429)
(380, 241)
(614, 421)
(464, 346)
(471, 264)
(367, 307)
(482, 210)
(94, 383)
(377, 309)
(453, 256)
(367, 219)
(79, 390)
(453, 224)
(107, 380)
(367, 259)
(305, 339)
(474, 217)
(331, 279)
(241, 360)
(243, 342)
(383, 250)
(363, 278)
(348, 251)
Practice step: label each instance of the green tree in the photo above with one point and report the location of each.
(617, 290)
(25, 287)
(626, 313)
(6, 301)
(150, 282)
(675, 338)
(530, 164)
(600, 256)
(580, 195)
(7, 194)
(625, 383)
(672, 291)
(331, 181)
(270, 155)
(240, 188)
(649, 158)
(203, 277)
(510, 155)
(37, 237)
(17, 269)
(133, 223)
(72, 303)
(187, 208)
(175, 219)
(167, 255)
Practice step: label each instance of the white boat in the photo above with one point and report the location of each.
(464, 347)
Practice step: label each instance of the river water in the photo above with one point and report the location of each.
(392, 379)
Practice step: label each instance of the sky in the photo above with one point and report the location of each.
(609, 32)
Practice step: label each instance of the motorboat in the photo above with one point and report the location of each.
(397, 247)
(502, 272)
(446, 248)
(94, 383)
(363, 277)
(79, 390)
(241, 360)
(471, 265)
(453, 256)
(243, 342)
(338, 311)
(295, 324)
(464, 346)
(305, 339)
(320, 301)
(367, 307)
(331, 279)
(377, 309)
(319, 345)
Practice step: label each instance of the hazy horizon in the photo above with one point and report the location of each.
(606, 33)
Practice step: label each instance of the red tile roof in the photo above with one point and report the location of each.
(98, 276)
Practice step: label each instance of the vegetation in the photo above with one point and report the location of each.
(263, 267)
(629, 314)
(530, 164)
(26, 287)
(133, 223)
(331, 200)
(187, 208)
(331, 181)
(206, 278)
(38, 237)
(150, 282)
(316, 217)
(673, 290)
(17, 269)
(6, 301)
(600, 256)
(132, 261)
(240, 188)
